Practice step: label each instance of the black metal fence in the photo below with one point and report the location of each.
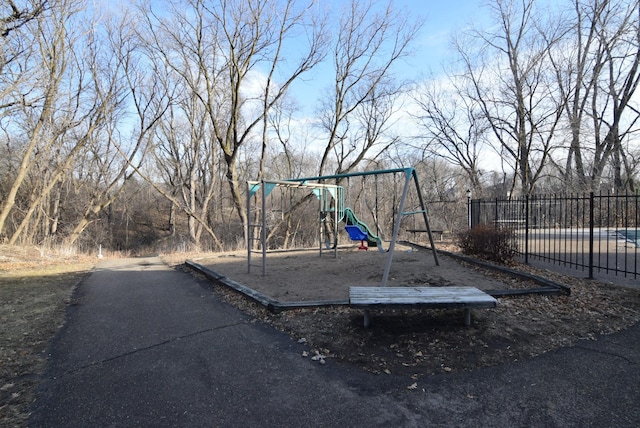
(598, 233)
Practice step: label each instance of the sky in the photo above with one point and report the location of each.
(442, 19)
(432, 49)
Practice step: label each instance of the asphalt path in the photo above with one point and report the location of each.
(146, 345)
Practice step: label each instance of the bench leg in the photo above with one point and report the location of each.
(367, 319)
(467, 317)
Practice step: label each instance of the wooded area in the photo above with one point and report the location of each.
(136, 126)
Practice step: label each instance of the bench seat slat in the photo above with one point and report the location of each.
(420, 297)
(435, 297)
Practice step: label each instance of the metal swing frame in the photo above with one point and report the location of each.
(325, 192)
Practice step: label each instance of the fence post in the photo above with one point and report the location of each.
(526, 230)
(591, 225)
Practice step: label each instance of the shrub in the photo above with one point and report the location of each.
(488, 242)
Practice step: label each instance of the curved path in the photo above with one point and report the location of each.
(145, 345)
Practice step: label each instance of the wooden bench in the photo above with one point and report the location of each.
(420, 297)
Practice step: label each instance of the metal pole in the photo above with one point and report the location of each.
(407, 171)
(249, 230)
(264, 230)
(321, 219)
(425, 217)
(396, 228)
(591, 225)
(335, 224)
(526, 230)
(469, 225)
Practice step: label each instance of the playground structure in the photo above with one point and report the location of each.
(332, 211)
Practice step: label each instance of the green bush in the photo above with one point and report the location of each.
(488, 242)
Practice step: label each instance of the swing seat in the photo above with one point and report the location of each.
(356, 233)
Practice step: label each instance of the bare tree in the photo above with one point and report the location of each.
(509, 80)
(186, 156)
(288, 157)
(597, 75)
(357, 110)
(115, 156)
(16, 45)
(454, 127)
(13, 16)
(219, 49)
(616, 116)
(45, 107)
(90, 96)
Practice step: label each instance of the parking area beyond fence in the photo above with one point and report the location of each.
(595, 233)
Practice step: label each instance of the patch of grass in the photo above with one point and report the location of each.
(34, 292)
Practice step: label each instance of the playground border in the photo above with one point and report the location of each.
(271, 304)
(546, 286)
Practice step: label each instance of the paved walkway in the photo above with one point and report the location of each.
(146, 345)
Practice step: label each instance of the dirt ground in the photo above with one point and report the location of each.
(305, 276)
(420, 342)
(35, 288)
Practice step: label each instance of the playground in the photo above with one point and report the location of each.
(352, 251)
(316, 281)
(419, 342)
(303, 276)
(335, 211)
(389, 289)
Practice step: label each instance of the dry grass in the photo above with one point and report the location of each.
(35, 288)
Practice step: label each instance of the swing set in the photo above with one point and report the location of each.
(332, 209)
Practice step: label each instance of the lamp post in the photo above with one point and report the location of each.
(469, 208)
